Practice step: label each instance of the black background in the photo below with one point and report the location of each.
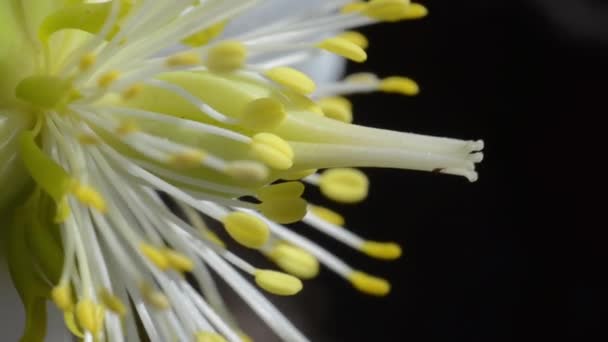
(517, 255)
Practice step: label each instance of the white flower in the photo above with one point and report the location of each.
(106, 105)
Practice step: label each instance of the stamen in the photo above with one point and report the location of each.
(344, 185)
(226, 56)
(263, 114)
(108, 78)
(90, 316)
(344, 48)
(369, 284)
(327, 215)
(272, 150)
(278, 283)
(291, 79)
(155, 256)
(246, 229)
(112, 302)
(294, 260)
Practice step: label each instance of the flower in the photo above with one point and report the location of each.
(107, 105)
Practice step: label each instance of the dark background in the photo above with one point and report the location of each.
(519, 254)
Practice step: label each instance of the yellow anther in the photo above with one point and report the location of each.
(207, 336)
(362, 78)
(295, 261)
(369, 284)
(226, 56)
(187, 159)
(213, 238)
(292, 79)
(178, 261)
(62, 297)
(355, 6)
(381, 250)
(356, 38)
(278, 283)
(155, 256)
(401, 85)
(297, 175)
(263, 114)
(248, 230)
(344, 185)
(327, 215)
(131, 92)
(108, 78)
(344, 48)
(155, 298)
(87, 61)
(247, 171)
(127, 127)
(89, 196)
(272, 150)
(280, 191)
(284, 210)
(112, 302)
(204, 36)
(70, 322)
(88, 139)
(90, 316)
(387, 10)
(415, 11)
(337, 108)
(183, 59)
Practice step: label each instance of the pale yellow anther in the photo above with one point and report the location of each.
(369, 284)
(297, 175)
(108, 78)
(226, 56)
(280, 191)
(90, 316)
(248, 230)
(178, 261)
(356, 38)
(355, 6)
(362, 78)
(278, 283)
(205, 35)
(153, 297)
(88, 196)
(131, 92)
(295, 261)
(155, 256)
(344, 48)
(207, 336)
(88, 139)
(337, 108)
(112, 302)
(187, 159)
(87, 61)
(381, 250)
(284, 210)
(400, 85)
(127, 127)
(272, 150)
(386, 10)
(183, 60)
(62, 297)
(292, 79)
(247, 171)
(263, 114)
(415, 11)
(344, 185)
(70, 322)
(327, 215)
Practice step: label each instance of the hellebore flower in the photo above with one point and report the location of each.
(105, 106)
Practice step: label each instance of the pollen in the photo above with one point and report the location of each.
(155, 256)
(207, 336)
(401, 85)
(89, 196)
(327, 215)
(226, 56)
(295, 261)
(87, 61)
(108, 78)
(369, 284)
(292, 79)
(278, 283)
(345, 48)
(90, 316)
(62, 297)
(272, 150)
(344, 185)
(246, 229)
(183, 59)
(263, 114)
(381, 250)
